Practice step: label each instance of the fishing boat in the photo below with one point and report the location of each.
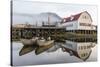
(29, 41)
(44, 45)
(43, 42)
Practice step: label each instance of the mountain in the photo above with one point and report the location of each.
(36, 18)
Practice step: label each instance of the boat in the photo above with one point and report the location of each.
(29, 41)
(44, 45)
(43, 42)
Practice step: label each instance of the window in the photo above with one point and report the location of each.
(81, 47)
(84, 47)
(70, 25)
(83, 55)
(85, 17)
(85, 24)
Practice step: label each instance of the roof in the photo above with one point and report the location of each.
(72, 17)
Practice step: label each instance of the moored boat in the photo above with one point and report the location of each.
(44, 43)
(29, 41)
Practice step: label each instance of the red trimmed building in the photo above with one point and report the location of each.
(79, 23)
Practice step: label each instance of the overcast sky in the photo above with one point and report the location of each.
(63, 10)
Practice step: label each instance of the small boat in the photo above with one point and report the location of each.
(29, 41)
(43, 42)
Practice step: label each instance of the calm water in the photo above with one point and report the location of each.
(51, 56)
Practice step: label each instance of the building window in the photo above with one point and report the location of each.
(85, 17)
(85, 24)
(70, 25)
(84, 47)
(81, 47)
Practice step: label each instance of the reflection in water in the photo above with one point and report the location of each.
(26, 49)
(55, 47)
(41, 49)
(81, 48)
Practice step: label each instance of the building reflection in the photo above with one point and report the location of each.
(81, 50)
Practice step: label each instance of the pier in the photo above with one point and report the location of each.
(28, 33)
(58, 33)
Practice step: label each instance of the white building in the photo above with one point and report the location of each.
(81, 21)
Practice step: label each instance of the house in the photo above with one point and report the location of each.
(81, 22)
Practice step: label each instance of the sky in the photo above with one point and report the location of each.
(30, 8)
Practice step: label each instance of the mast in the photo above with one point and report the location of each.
(49, 20)
(49, 24)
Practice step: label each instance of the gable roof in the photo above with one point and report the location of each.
(75, 17)
(72, 17)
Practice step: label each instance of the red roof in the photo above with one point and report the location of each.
(72, 18)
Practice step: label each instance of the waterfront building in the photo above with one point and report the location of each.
(79, 23)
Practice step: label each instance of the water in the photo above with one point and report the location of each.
(51, 56)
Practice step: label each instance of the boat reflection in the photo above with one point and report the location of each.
(56, 46)
(26, 49)
(81, 48)
(42, 49)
